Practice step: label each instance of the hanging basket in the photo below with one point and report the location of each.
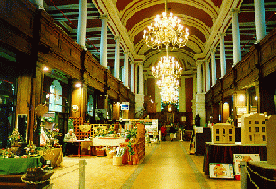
(85, 128)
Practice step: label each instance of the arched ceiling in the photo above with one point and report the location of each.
(205, 19)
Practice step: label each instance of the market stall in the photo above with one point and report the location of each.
(12, 166)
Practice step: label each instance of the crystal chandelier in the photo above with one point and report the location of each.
(169, 95)
(167, 82)
(166, 30)
(167, 66)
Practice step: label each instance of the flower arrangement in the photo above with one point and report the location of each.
(31, 149)
(7, 153)
(230, 120)
(100, 132)
(120, 151)
(15, 137)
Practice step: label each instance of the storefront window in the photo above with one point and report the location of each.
(55, 97)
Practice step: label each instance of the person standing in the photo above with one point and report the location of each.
(163, 133)
(172, 132)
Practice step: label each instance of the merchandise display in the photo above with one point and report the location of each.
(253, 129)
(223, 133)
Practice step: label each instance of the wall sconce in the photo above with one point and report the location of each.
(256, 98)
(45, 69)
(78, 85)
(169, 108)
(75, 108)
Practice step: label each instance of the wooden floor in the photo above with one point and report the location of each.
(167, 165)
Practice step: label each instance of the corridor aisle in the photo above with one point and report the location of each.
(166, 166)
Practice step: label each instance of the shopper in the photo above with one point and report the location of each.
(172, 132)
(163, 132)
(70, 136)
(69, 147)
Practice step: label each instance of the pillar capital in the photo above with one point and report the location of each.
(117, 37)
(140, 63)
(213, 50)
(222, 34)
(200, 62)
(104, 16)
(235, 10)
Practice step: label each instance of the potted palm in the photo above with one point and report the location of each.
(130, 153)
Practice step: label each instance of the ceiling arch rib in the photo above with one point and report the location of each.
(133, 7)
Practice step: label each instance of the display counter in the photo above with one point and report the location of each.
(10, 166)
(223, 153)
(84, 145)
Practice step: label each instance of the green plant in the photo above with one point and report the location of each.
(130, 151)
(131, 133)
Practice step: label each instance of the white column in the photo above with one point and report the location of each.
(141, 78)
(213, 67)
(82, 20)
(126, 70)
(207, 75)
(103, 46)
(203, 76)
(122, 71)
(117, 59)
(132, 77)
(260, 19)
(236, 37)
(199, 77)
(222, 55)
(38, 3)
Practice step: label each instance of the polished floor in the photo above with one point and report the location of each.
(167, 165)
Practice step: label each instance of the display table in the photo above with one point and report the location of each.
(223, 153)
(81, 144)
(107, 141)
(257, 169)
(55, 155)
(9, 166)
(98, 141)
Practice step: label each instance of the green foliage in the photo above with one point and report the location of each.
(130, 149)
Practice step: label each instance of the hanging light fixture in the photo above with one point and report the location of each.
(169, 95)
(167, 82)
(167, 66)
(166, 30)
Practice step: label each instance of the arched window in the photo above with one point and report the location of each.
(55, 97)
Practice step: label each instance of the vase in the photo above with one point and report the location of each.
(130, 162)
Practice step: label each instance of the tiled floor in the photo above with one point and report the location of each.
(167, 165)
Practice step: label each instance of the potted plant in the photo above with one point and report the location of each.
(128, 137)
(130, 153)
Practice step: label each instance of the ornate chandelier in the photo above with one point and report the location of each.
(168, 82)
(167, 66)
(166, 30)
(169, 95)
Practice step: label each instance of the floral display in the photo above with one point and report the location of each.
(15, 137)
